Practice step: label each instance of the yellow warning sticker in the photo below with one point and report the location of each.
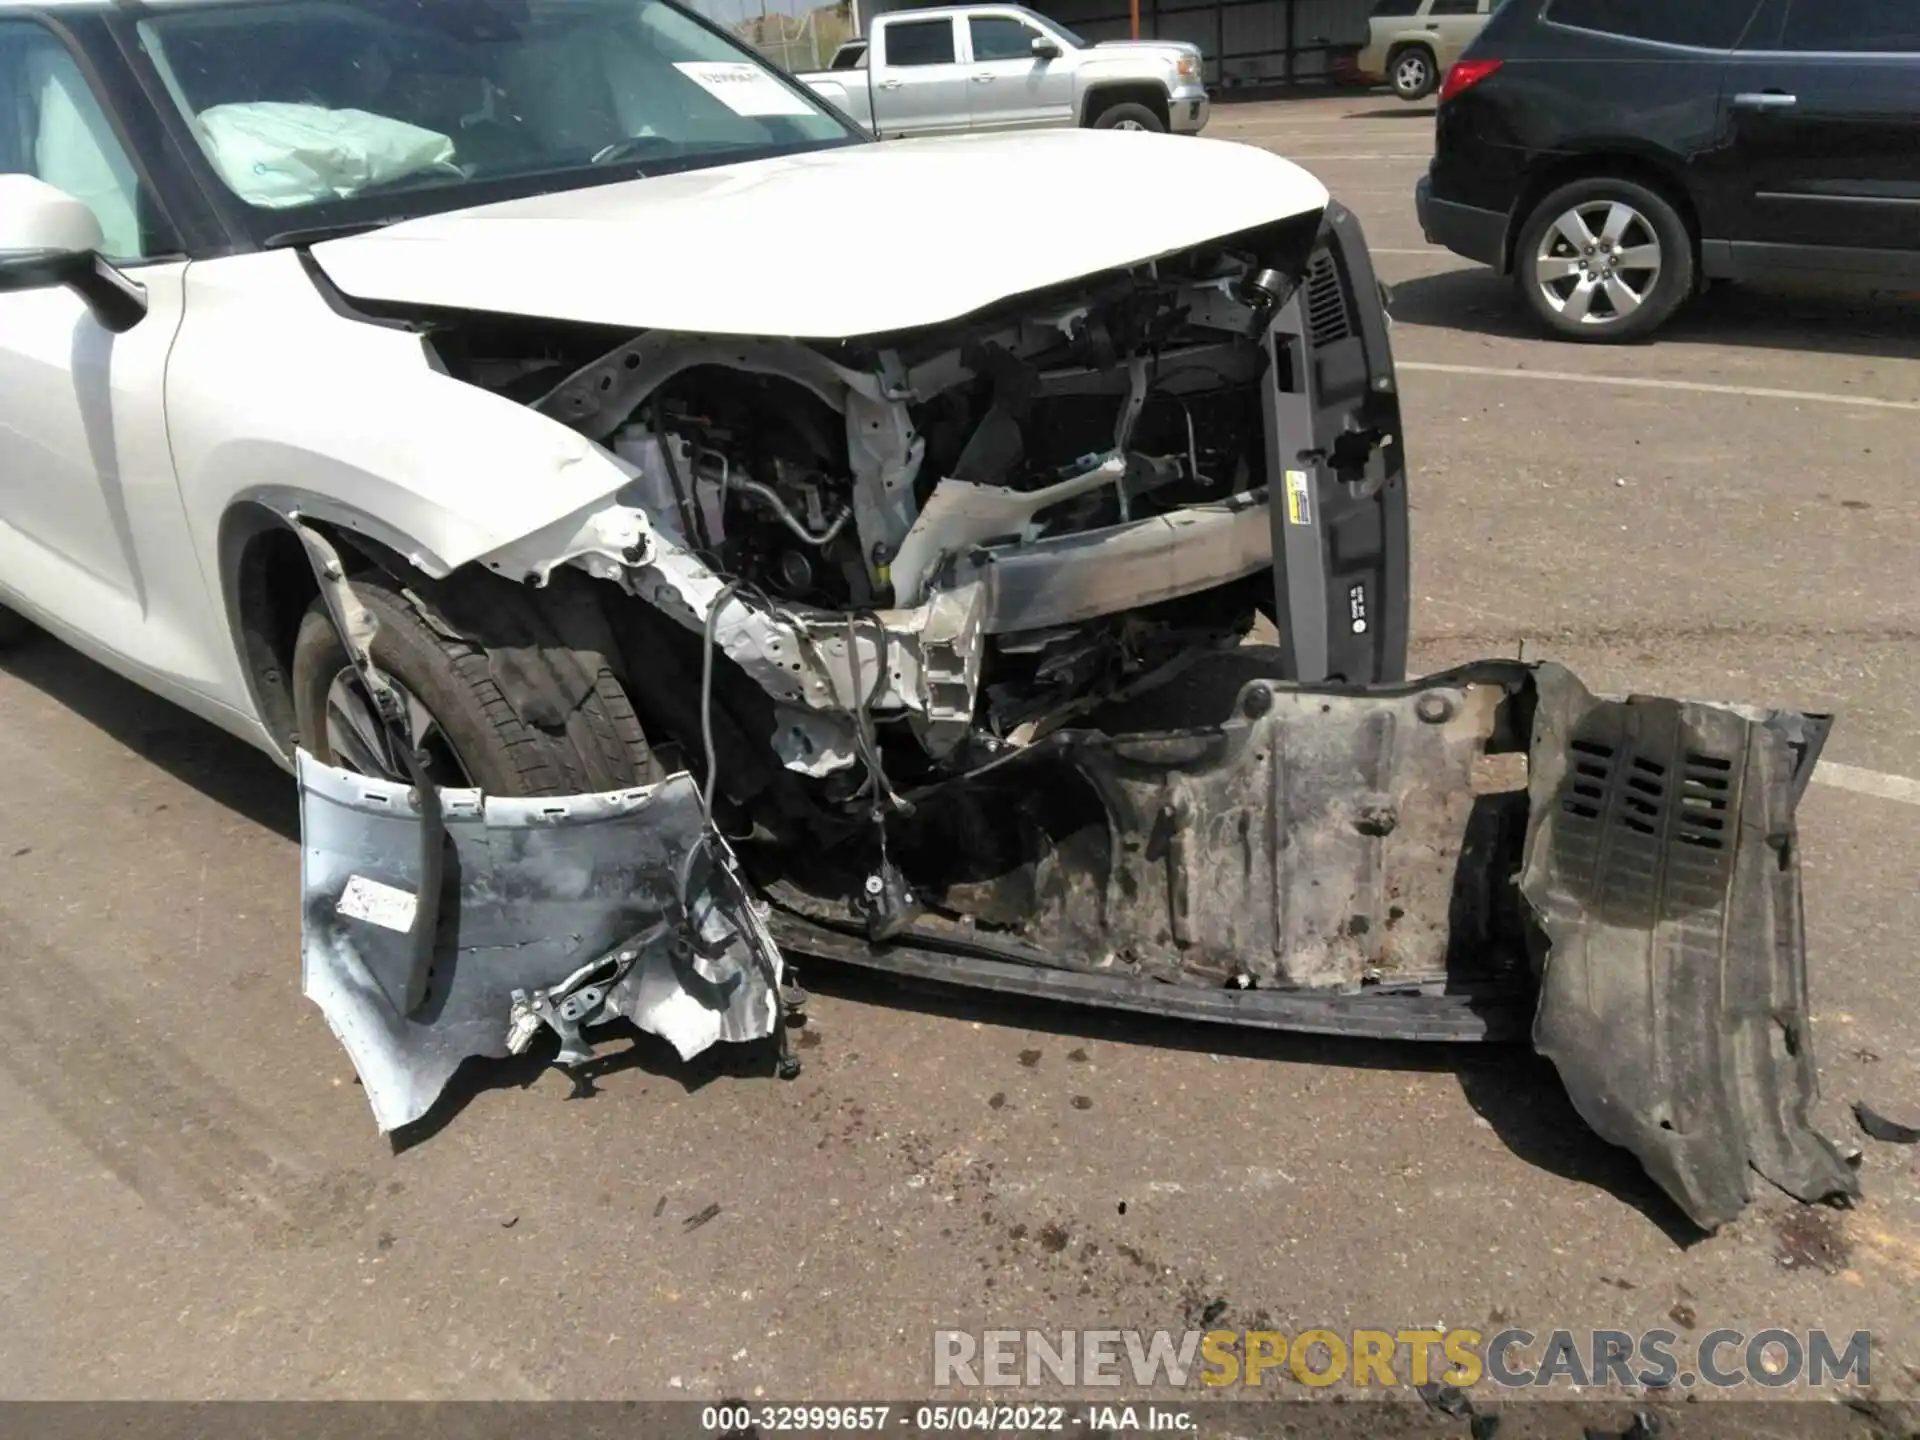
(1297, 511)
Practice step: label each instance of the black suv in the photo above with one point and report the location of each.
(1615, 155)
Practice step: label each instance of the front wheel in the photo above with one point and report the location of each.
(1413, 72)
(542, 737)
(1604, 260)
(1129, 116)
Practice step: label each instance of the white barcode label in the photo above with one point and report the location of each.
(384, 905)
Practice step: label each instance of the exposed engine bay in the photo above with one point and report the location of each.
(943, 639)
(922, 549)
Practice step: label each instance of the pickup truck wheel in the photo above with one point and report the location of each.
(1412, 71)
(459, 721)
(15, 629)
(1129, 116)
(1603, 260)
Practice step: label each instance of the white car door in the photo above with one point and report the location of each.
(1011, 87)
(93, 539)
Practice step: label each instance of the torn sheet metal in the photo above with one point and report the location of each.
(573, 910)
(1664, 866)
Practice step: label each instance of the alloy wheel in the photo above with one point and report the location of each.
(1598, 263)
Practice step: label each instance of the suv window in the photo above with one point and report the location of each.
(1455, 7)
(1704, 24)
(999, 37)
(1393, 9)
(52, 128)
(920, 42)
(1857, 25)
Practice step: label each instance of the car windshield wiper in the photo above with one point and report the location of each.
(314, 234)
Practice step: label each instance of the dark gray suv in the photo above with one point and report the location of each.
(1615, 155)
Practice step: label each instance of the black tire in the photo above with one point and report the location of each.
(600, 747)
(1129, 116)
(15, 629)
(1660, 293)
(1422, 76)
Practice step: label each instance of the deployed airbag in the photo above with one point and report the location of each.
(277, 153)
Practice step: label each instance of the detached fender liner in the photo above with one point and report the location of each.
(1663, 865)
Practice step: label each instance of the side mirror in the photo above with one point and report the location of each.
(47, 237)
(1045, 48)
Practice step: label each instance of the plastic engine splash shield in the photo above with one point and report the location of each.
(1663, 864)
(1368, 862)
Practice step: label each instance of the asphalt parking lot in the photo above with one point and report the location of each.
(198, 1204)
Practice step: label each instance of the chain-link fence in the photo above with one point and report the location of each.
(803, 40)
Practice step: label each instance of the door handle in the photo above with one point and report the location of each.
(889, 84)
(1433, 27)
(1765, 100)
(981, 79)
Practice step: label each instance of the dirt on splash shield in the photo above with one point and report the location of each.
(545, 914)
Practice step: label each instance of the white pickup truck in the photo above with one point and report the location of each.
(1002, 67)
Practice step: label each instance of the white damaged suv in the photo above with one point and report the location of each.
(667, 530)
(479, 283)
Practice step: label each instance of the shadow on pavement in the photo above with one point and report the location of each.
(1225, 102)
(201, 755)
(618, 1047)
(1398, 112)
(1519, 1094)
(1516, 1092)
(1476, 301)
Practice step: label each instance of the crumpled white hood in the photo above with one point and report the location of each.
(838, 243)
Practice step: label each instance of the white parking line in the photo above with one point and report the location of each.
(1867, 782)
(1640, 382)
(1831, 773)
(1269, 122)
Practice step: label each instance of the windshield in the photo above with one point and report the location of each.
(310, 105)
